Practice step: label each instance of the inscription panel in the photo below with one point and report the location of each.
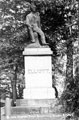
(38, 72)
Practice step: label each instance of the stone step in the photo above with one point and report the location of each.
(23, 110)
(37, 117)
(36, 102)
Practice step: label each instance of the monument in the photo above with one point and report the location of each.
(38, 61)
(38, 93)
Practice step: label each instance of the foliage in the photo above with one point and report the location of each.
(11, 37)
(71, 95)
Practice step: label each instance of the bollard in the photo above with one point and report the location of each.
(7, 107)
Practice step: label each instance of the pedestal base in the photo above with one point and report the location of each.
(39, 93)
(38, 73)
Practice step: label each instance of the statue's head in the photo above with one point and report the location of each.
(33, 7)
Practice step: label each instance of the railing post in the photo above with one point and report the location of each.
(7, 107)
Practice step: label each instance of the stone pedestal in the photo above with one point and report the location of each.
(38, 74)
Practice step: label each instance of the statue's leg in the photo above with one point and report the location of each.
(40, 32)
(31, 35)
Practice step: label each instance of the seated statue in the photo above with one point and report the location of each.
(33, 23)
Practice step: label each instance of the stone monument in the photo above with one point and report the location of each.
(38, 62)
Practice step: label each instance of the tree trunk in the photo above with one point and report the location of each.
(14, 86)
(69, 65)
(78, 22)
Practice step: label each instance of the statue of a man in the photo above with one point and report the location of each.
(33, 23)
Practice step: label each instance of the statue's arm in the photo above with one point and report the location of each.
(27, 22)
(39, 21)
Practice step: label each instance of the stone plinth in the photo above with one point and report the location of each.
(38, 74)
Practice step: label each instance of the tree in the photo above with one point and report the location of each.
(12, 37)
(11, 40)
(70, 95)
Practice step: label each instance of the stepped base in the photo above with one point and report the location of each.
(34, 106)
(27, 109)
(30, 110)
